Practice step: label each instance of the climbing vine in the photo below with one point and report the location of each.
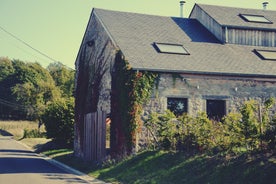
(142, 85)
(131, 89)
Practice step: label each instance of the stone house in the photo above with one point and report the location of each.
(212, 61)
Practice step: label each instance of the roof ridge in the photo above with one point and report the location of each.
(201, 4)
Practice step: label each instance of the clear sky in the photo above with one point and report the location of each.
(56, 27)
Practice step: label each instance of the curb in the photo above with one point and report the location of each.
(64, 167)
(79, 174)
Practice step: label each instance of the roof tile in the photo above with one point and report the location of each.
(135, 33)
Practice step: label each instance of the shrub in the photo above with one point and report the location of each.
(269, 124)
(59, 121)
(33, 133)
(164, 127)
(244, 129)
(270, 134)
(250, 124)
(233, 134)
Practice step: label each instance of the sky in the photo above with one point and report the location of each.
(45, 31)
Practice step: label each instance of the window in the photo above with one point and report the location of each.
(177, 105)
(216, 109)
(255, 18)
(170, 48)
(266, 54)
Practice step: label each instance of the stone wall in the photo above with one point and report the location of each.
(198, 89)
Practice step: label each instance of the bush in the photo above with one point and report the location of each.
(59, 121)
(246, 129)
(234, 136)
(270, 134)
(33, 134)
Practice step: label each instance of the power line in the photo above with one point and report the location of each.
(12, 104)
(41, 59)
(28, 45)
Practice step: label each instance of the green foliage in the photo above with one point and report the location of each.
(63, 77)
(133, 89)
(236, 131)
(251, 125)
(28, 91)
(6, 68)
(270, 134)
(34, 89)
(167, 130)
(141, 85)
(35, 133)
(233, 130)
(59, 120)
(25, 89)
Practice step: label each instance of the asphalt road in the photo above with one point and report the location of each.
(19, 165)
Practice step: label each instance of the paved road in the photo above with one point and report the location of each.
(18, 165)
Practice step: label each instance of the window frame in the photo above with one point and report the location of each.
(262, 56)
(178, 98)
(160, 50)
(245, 17)
(216, 116)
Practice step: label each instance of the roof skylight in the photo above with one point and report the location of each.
(266, 54)
(171, 48)
(255, 18)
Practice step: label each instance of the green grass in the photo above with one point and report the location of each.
(166, 167)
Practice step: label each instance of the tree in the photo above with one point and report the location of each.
(63, 77)
(34, 88)
(6, 68)
(8, 105)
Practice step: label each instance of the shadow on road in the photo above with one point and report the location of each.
(5, 133)
(20, 161)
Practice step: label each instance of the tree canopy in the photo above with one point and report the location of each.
(63, 77)
(27, 88)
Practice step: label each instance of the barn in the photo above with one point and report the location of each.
(212, 61)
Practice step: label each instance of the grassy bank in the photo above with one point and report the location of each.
(166, 167)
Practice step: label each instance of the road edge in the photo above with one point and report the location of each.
(63, 166)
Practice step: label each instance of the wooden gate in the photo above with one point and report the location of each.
(95, 136)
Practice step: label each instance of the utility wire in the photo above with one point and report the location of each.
(39, 57)
(11, 104)
(28, 45)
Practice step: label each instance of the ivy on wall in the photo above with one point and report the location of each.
(130, 90)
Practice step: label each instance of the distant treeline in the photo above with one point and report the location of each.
(27, 88)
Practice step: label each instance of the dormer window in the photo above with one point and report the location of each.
(255, 18)
(170, 48)
(266, 54)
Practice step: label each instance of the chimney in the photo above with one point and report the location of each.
(181, 8)
(265, 5)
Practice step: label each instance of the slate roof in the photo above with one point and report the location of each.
(229, 16)
(135, 33)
